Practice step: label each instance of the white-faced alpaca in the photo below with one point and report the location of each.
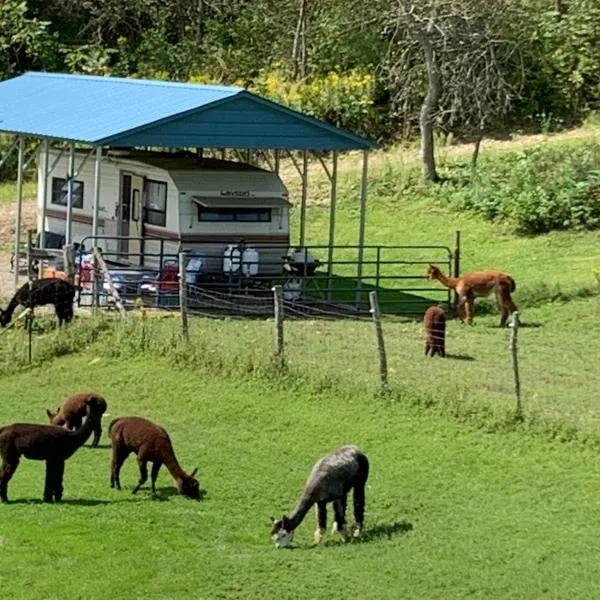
(151, 443)
(330, 480)
(434, 322)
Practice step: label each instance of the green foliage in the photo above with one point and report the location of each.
(537, 189)
(343, 99)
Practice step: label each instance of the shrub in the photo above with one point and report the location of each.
(536, 189)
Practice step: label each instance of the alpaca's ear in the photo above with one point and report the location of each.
(49, 413)
(194, 472)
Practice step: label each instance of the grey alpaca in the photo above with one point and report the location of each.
(330, 480)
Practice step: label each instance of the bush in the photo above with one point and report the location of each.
(537, 189)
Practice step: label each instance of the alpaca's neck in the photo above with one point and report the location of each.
(173, 467)
(80, 436)
(449, 282)
(304, 505)
(10, 309)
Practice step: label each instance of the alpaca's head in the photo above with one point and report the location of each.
(4, 318)
(52, 416)
(281, 532)
(189, 486)
(433, 272)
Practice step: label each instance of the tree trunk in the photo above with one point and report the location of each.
(476, 152)
(430, 103)
(299, 47)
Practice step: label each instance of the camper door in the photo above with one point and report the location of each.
(130, 217)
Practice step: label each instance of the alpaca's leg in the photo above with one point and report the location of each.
(143, 464)
(427, 347)
(339, 509)
(57, 480)
(49, 483)
(156, 465)
(6, 472)
(359, 506)
(461, 311)
(97, 434)
(470, 309)
(321, 509)
(120, 453)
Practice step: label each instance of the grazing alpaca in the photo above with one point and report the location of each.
(42, 442)
(332, 477)
(50, 290)
(73, 410)
(479, 283)
(435, 331)
(151, 443)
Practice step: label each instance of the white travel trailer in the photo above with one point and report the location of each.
(158, 203)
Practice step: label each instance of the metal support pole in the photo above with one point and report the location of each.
(304, 195)
(70, 193)
(185, 336)
(456, 266)
(278, 314)
(44, 190)
(361, 227)
(96, 207)
(21, 161)
(514, 325)
(332, 209)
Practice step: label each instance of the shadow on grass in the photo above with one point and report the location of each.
(372, 534)
(100, 447)
(163, 494)
(67, 502)
(459, 357)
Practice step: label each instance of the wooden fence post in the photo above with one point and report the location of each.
(376, 314)
(278, 313)
(514, 325)
(183, 310)
(111, 287)
(69, 262)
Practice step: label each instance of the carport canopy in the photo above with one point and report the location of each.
(111, 112)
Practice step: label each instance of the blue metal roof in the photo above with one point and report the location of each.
(118, 112)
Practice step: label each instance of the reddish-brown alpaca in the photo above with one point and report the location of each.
(479, 283)
(434, 322)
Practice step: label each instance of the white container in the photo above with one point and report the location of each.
(231, 259)
(250, 262)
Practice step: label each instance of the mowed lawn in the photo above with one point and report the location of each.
(451, 512)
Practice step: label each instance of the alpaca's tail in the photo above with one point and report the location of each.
(112, 423)
(513, 285)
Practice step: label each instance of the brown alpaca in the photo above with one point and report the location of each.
(72, 412)
(151, 443)
(42, 442)
(435, 331)
(479, 283)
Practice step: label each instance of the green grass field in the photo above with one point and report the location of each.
(451, 512)
(463, 501)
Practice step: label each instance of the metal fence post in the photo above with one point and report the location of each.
(514, 325)
(183, 298)
(376, 314)
(29, 283)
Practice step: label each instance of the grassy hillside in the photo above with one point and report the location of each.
(451, 512)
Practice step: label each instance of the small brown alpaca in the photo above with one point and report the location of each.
(71, 413)
(479, 283)
(151, 443)
(435, 331)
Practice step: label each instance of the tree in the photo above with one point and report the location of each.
(470, 59)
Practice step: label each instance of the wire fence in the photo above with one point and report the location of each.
(333, 347)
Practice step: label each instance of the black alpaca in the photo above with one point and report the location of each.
(332, 477)
(50, 290)
(42, 442)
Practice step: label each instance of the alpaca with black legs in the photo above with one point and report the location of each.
(42, 442)
(72, 411)
(50, 290)
(151, 443)
(330, 480)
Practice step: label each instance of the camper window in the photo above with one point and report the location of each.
(156, 202)
(60, 190)
(248, 215)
